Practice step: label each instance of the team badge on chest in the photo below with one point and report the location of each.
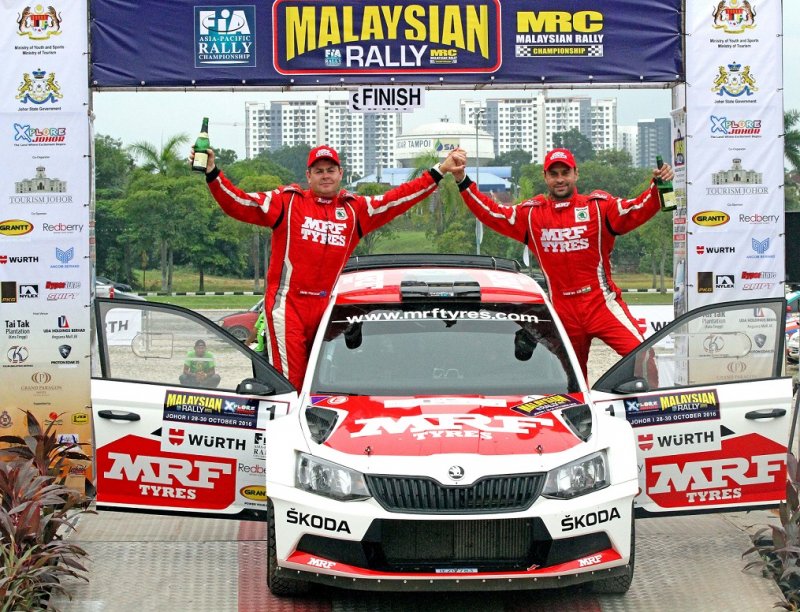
(341, 214)
(582, 214)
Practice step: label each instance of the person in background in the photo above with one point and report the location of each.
(572, 236)
(199, 369)
(314, 231)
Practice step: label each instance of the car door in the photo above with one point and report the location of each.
(168, 442)
(710, 407)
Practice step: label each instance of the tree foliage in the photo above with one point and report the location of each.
(576, 142)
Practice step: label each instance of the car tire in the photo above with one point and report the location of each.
(240, 333)
(279, 585)
(619, 584)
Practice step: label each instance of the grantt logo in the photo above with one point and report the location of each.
(711, 218)
(15, 227)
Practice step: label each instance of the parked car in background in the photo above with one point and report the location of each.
(793, 347)
(242, 324)
(106, 290)
(118, 286)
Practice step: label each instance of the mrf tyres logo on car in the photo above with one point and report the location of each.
(731, 475)
(134, 467)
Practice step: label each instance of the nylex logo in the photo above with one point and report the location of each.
(323, 232)
(564, 239)
(450, 426)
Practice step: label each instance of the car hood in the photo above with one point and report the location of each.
(422, 426)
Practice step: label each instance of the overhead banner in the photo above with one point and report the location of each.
(185, 43)
(734, 117)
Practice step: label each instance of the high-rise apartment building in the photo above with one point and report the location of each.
(627, 137)
(366, 140)
(654, 138)
(530, 123)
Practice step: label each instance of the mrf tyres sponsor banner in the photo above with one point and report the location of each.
(179, 43)
(44, 224)
(734, 118)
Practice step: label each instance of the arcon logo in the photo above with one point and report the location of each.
(15, 227)
(711, 218)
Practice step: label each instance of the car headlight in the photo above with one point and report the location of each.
(329, 479)
(577, 478)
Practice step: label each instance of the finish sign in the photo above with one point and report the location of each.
(393, 98)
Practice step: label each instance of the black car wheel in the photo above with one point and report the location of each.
(276, 581)
(241, 333)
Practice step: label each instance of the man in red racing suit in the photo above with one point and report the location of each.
(314, 231)
(572, 236)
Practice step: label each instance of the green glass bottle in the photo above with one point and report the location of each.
(666, 195)
(201, 145)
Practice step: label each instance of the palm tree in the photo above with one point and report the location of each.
(170, 160)
(791, 139)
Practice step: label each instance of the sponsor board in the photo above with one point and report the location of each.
(182, 406)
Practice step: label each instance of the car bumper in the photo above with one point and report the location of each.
(360, 545)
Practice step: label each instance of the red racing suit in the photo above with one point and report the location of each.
(312, 237)
(573, 240)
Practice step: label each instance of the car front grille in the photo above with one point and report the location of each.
(427, 496)
(477, 545)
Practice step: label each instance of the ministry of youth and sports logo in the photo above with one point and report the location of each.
(39, 23)
(734, 16)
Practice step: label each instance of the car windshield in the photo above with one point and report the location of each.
(427, 348)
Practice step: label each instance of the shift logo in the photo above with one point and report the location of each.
(37, 23)
(225, 36)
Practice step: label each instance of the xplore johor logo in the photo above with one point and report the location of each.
(225, 36)
(25, 135)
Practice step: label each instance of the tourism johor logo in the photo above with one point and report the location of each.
(39, 89)
(225, 36)
(734, 80)
(734, 16)
(39, 24)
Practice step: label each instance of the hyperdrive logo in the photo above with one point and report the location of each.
(225, 36)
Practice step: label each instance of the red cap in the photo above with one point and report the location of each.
(323, 152)
(559, 156)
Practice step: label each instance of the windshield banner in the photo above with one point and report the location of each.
(178, 43)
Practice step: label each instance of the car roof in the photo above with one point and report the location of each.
(377, 278)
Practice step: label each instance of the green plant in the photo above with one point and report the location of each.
(778, 546)
(36, 511)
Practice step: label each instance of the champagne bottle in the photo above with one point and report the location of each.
(201, 145)
(666, 195)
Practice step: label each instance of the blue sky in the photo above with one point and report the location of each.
(155, 116)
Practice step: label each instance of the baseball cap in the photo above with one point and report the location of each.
(563, 156)
(323, 152)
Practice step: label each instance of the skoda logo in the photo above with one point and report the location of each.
(456, 472)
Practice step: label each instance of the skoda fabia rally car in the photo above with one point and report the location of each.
(444, 437)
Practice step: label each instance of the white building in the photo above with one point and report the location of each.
(441, 138)
(627, 140)
(366, 140)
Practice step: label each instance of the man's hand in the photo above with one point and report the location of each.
(456, 163)
(210, 165)
(665, 173)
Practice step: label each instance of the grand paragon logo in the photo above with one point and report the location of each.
(38, 23)
(39, 87)
(734, 16)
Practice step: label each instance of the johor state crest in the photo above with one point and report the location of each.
(40, 88)
(734, 16)
(39, 23)
(734, 80)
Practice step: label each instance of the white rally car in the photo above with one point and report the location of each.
(444, 437)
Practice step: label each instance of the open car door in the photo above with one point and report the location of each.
(170, 441)
(710, 408)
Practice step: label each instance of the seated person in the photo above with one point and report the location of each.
(199, 369)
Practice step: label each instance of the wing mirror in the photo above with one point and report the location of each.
(635, 385)
(251, 386)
